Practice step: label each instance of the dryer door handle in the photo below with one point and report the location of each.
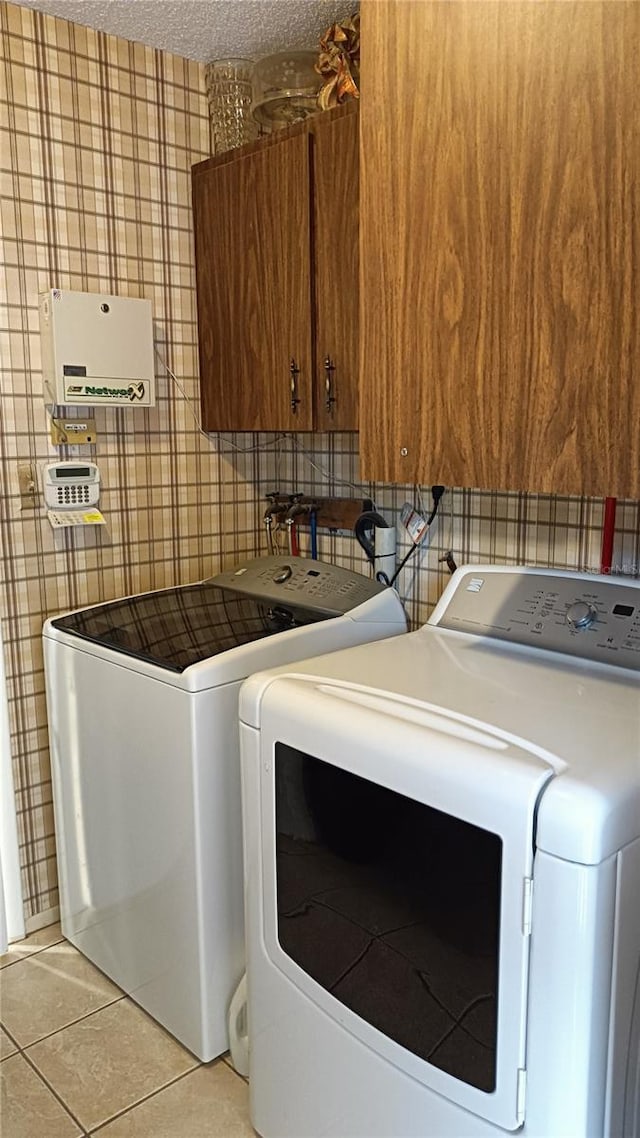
(441, 720)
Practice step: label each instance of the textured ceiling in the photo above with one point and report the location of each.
(206, 29)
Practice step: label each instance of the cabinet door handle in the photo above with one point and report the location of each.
(329, 369)
(294, 372)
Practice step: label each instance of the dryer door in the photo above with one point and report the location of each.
(397, 860)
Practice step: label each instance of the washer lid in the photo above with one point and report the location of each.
(175, 628)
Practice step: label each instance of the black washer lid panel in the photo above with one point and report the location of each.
(175, 628)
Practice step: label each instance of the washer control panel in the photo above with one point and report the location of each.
(324, 589)
(580, 614)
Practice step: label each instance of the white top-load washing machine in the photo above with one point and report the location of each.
(142, 698)
(442, 859)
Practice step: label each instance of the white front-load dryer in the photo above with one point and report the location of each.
(442, 857)
(142, 697)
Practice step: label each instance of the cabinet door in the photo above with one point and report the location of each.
(335, 214)
(252, 236)
(500, 244)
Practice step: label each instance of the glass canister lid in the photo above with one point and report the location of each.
(285, 87)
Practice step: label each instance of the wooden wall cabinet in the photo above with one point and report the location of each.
(276, 239)
(500, 244)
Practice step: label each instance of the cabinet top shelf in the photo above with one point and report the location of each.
(308, 126)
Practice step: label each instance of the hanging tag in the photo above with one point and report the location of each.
(414, 523)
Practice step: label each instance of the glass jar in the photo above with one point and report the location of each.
(285, 88)
(229, 93)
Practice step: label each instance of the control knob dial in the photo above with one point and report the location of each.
(580, 615)
(282, 574)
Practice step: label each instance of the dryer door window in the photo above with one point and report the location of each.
(396, 879)
(393, 907)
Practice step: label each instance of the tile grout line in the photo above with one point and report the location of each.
(85, 1132)
(21, 1050)
(12, 1038)
(72, 1023)
(229, 1062)
(54, 1092)
(63, 940)
(36, 952)
(145, 1098)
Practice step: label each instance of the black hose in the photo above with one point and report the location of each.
(364, 530)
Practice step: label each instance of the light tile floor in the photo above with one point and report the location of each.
(77, 1057)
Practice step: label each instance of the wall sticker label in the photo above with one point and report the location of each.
(131, 393)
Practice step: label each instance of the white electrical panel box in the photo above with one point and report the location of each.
(96, 349)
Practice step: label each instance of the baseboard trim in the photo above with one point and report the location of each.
(41, 920)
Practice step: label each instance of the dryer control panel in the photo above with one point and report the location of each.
(581, 614)
(313, 585)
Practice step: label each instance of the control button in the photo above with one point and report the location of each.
(580, 615)
(282, 574)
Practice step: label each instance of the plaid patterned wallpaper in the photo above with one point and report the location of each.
(97, 139)
(98, 136)
(475, 525)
